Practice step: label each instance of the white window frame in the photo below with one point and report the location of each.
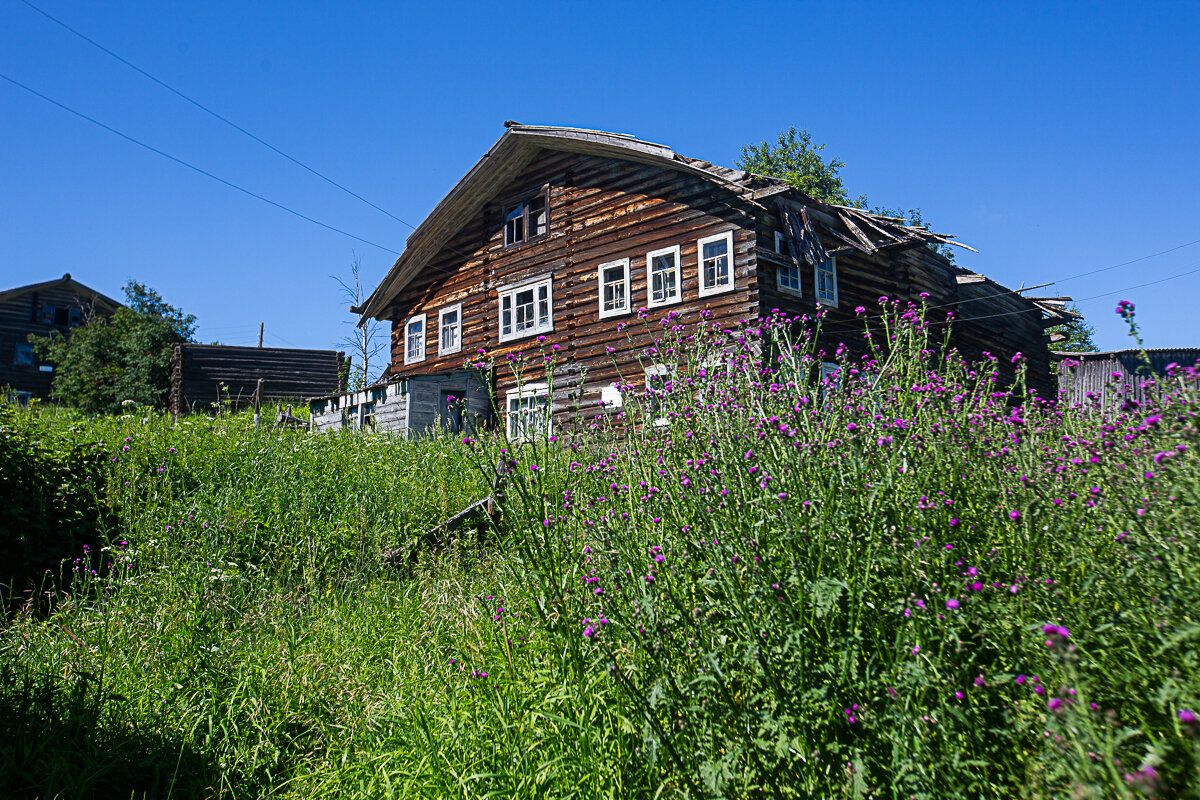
(513, 427)
(456, 309)
(623, 263)
(791, 271)
(409, 358)
(706, 290)
(673, 250)
(510, 292)
(826, 298)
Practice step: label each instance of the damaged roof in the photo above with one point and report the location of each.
(516, 148)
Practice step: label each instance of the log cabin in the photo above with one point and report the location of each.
(558, 235)
(61, 305)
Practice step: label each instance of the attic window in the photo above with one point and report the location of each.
(61, 315)
(526, 219)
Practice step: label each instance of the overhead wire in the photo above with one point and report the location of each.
(195, 168)
(216, 115)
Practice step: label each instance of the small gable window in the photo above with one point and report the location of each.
(716, 263)
(414, 339)
(613, 279)
(662, 277)
(62, 315)
(526, 310)
(826, 282)
(526, 219)
(450, 330)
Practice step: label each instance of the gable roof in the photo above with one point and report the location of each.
(66, 282)
(513, 151)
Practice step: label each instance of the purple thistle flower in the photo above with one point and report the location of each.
(951, 604)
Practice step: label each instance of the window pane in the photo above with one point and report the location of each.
(537, 216)
(662, 278)
(524, 310)
(543, 307)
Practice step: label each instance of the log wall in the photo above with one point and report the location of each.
(203, 374)
(600, 210)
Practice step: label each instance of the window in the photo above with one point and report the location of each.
(831, 374)
(715, 254)
(658, 387)
(613, 280)
(826, 282)
(528, 412)
(526, 310)
(414, 339)
(23, 355)
(62, 315)
(662, 277)
(787, 278)
(450, 330)
(525, 219)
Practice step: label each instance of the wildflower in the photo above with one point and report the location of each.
(1054, 704)
(1186, 715)
(951, 604)
(1014, 515)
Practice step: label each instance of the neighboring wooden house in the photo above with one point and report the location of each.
(1101, 379)
(204, 374)
(564, 234)
(41, 308)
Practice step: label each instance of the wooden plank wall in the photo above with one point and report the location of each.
(199, 371)
(987, 317)
(600, 210)
(22, 315)
(1086, 379)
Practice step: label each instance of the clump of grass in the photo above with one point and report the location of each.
(898, 580)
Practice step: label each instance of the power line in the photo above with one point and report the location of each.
(216, 115)
(193, 167)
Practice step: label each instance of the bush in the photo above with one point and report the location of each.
(51, 477)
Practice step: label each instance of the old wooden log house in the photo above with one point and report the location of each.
(565, 233)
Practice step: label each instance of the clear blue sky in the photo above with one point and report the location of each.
(1055, 138)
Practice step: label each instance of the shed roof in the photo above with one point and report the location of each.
(65, 282)
(517, 146)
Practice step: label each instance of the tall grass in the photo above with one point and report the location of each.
(902, 581)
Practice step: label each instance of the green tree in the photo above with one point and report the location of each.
(1077, 335)
(123, 357)
(795, 159)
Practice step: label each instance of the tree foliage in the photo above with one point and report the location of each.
(123, 357)
(1078, 335)
(795, 159)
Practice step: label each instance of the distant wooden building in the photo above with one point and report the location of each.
(41, 308)
(558, 235)
(1105, 379)
(204, 374)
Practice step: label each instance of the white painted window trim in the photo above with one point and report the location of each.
(442, 314)
(706, 291)
(615, 312)
(408, 358)
(524, 392)
(511, 291)
(832, 301)
(675, 251)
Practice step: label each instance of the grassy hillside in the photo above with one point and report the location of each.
(899, 582)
